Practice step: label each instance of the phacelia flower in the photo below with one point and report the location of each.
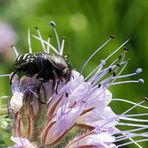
(8, 37)
(46, 113)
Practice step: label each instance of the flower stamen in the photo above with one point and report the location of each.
(92, 55)
(29, 42)
(15, 51)
(53, 25)
(40, 36)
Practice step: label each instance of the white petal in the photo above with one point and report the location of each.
(21, 142)
(16, 102)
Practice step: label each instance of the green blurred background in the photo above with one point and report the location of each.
(86, 24)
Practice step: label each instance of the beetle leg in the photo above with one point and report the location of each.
(38, 94)
(12, 76)
(56, 82)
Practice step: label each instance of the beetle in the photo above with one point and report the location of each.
(47, 66)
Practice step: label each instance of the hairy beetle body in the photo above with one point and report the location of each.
(46, 66)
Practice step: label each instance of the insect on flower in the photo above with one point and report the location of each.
(80, 106)
(47, 66)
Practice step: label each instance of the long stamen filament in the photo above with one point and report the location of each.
(129, 131)
(54, 49)
(132, 119)
(29, 42)
(138, 71)
(4, 97)
(130, 102)
(99, 70)
(5, 75)
(132, 135)
(124, 82)
(117, 117)
(132, 142)
(116, 50)
(53, 24)
(62, 47)
(48, 47)
(106, 81)
(40, 36)
(115, 71)
(132, 125)
(136, 115)
(92, 55)
(15, 51)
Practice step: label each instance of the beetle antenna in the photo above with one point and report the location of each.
(15, 50)
(29, 42)
(53, 25)
(12, 75)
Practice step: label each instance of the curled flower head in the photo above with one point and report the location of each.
(45, 112)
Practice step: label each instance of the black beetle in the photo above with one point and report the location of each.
(47, 66)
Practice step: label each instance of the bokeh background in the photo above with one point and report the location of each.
(86, 24)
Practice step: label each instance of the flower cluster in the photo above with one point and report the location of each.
(45, 113)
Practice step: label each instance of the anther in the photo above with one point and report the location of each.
(63, 37)
(120, 56)
(36, 27)
(141, 81)
(103, 62)
(138, 71)
(66, 94)
(99, 85)
(146, 99)
(118, 65)
(114, 74)
(110, 69)
(52, 23)
(125, 49)
(112, 36)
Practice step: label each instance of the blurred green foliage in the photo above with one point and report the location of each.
(86, 24)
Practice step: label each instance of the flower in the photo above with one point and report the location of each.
(8, 37)
(22, 142)
(46, 112)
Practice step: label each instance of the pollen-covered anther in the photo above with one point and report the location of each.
(120, 56)
(52, 23)
(110, 69)
(125, 49)
(141, 81)
(146, 99)
(36, 27)
(103, 62)
(118, 65)
(138, 71)
(112, 36)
